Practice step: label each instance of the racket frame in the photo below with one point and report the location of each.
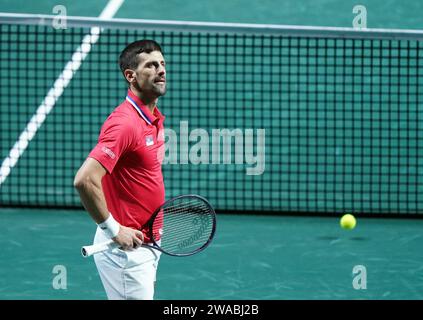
(153, 217)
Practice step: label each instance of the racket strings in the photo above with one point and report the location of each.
(187, 225)
(185, 214)
(185, 204)
(187, 210)
(176, 223)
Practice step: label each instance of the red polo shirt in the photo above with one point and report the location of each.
(131, 148)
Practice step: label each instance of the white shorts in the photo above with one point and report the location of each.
(127, 275)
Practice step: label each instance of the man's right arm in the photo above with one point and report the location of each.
(88, 183)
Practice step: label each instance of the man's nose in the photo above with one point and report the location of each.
(161, 71)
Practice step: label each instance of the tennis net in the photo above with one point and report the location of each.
(258, 118)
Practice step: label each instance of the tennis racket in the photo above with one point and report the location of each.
(182, 226)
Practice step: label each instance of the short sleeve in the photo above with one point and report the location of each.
(116, 137)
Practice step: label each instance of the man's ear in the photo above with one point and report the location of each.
(130, 75)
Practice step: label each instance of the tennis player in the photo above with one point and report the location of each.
(120, 183)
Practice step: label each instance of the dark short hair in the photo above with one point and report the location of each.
(128, 58)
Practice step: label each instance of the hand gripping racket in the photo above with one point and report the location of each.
(182, 226)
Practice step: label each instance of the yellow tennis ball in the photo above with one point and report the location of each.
(348, 221)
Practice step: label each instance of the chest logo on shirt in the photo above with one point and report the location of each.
(149, 141)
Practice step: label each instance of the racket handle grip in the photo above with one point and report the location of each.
(88, 251)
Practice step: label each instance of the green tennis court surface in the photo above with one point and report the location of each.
(252, 257)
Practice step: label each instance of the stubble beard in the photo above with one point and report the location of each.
(155, 90)
(160, 89)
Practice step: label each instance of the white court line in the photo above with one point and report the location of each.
(56, 91)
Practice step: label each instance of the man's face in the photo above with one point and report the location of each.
(151, 74)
